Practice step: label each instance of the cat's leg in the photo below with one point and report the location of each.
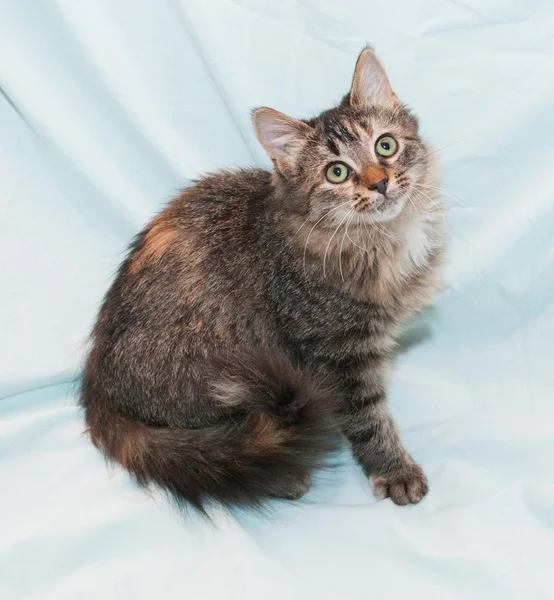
(376, 441)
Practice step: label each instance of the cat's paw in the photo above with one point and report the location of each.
(295, 490)
(408, 485)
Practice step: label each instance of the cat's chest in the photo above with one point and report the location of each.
(400, 269)
(359, 296)
(406, 274)
(419, 240)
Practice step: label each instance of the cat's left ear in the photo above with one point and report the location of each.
(370, 84)
(281, 136)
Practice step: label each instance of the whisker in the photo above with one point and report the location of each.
(433, 188)
(383, 231)
(353, 242)
(311, 230)
(417, 208)
(439, 210)
(342, 244)
(411, 202)
(438, 190)
(434, 152)
(444, 192)
(330, 240)
(369, 257)
(424, 195)
(296, 233)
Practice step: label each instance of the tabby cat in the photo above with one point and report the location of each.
(255, 317)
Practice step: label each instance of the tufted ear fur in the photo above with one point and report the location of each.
(281, 136)
(370, 84)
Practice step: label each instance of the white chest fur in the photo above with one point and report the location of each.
(420, 238)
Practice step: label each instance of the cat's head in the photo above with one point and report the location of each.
(363, 158)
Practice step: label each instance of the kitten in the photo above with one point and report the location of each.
(256, 314)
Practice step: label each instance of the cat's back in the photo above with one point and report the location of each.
(215, 216)
(202, 249)
(228, 197)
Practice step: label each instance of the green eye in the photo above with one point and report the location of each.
(386, 146)
(337, 172)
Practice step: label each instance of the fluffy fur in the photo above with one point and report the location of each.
(255, 316)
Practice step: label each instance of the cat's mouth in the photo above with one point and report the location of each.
(389, 210)
(384, 208)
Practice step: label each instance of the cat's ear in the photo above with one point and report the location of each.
(281, 136)
(370, 84)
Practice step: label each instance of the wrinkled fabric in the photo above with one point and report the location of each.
(108, 108)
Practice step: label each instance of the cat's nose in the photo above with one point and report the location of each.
(380, 186)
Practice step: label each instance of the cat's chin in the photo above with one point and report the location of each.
(389, 210)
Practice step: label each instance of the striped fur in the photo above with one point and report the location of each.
(256, 315)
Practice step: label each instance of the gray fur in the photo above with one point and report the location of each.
(255, 315)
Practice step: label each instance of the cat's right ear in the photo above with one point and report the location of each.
(370, 84)
(281, 136)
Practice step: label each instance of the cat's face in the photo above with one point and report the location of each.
(362, 159)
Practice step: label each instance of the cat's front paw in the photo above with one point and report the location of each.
(404, 486)
(296, 489)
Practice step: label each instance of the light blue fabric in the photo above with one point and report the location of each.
(108, 108)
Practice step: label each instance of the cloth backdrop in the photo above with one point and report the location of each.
(108, 107)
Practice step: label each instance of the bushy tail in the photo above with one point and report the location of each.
(282, 429)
